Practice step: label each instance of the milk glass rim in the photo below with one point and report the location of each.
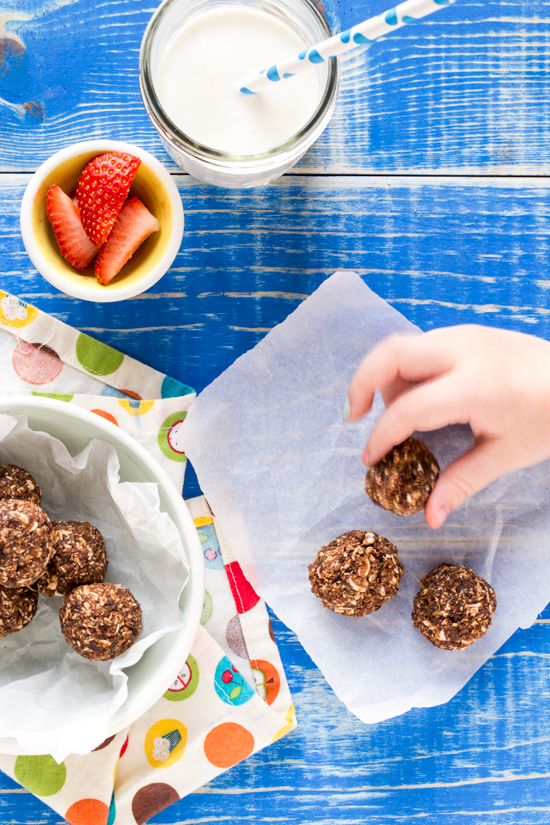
(183, 142)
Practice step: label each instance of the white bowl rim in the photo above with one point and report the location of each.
(49, 273)
(125, 716)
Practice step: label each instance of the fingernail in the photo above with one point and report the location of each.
(365, 457)
(441, 515)
(346, 411)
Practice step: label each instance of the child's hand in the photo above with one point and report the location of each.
(496, 381)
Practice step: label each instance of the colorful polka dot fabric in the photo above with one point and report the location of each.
(231, 697)
(43, 356)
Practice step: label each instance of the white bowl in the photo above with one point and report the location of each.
(153, 185)
(159, 666)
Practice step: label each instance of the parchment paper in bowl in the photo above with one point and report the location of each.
(51, 699)
(284, 476)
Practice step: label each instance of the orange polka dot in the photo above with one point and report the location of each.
(133, 394)
(88, 812)
(227, 744)
(268, 681)
(106, 415)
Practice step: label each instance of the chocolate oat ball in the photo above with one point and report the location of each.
(356, 573)
(17, 607)
(25, 543)
(100, 621)
(403, 480)
(453, 607)
(79, 558)
(15, 482)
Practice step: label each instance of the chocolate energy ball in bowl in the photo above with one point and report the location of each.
(100, 621)
(453, 607)
(17, 607)
(160, 663)
(79, 558)
(25, 542)
(403, 480)
(356, 573)
(15, 482)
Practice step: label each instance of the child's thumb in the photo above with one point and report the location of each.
(467, 475)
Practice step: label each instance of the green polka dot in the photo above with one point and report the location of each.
(97, 358)
(207, 608)
(169, 437)
(59, 396)
(186, 683)
(41, 775)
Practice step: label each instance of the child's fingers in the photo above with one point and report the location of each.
(408, 358)
(425, 407)
(394, 390)
(467, 475)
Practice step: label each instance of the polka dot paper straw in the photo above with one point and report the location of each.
(365, 32)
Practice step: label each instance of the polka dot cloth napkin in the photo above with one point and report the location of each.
(231, 697)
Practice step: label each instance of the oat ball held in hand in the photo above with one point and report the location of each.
(356, 573)
(17, 607)
(79, 558)
(403, 480)
(100, 621)
(453, 607)
(15, 482)
(25, 543)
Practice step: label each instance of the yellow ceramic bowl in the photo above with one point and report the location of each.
(152, 185)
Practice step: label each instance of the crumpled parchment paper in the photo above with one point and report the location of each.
(51, 699)
(284, 476)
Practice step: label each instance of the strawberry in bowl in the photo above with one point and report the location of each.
(101, 219)
(102, 208)
(101, 191)
(64, 218)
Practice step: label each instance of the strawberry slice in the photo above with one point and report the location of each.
(73, 243)
(101, 191)
(133, 225)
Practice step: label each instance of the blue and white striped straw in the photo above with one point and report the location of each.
(404, 13)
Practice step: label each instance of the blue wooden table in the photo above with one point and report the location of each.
(432, 183)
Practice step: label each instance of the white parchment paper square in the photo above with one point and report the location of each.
(52, 700)
(284, 476)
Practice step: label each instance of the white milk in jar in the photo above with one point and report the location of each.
(199, 73)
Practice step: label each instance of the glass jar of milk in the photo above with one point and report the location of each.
(194, 55)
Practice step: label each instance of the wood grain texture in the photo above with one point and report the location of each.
(461, 92)
(482, 758)
(443, 251)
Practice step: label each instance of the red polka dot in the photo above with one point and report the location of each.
(36, 363)
(243, 593)
(106, 415)
(125, 745)
(88, 812)
(227, 744)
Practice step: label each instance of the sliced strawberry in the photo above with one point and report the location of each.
(73, 243)
(101, 191)
(133, 225)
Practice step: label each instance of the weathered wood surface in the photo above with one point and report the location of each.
(443, 251)
(463, 91)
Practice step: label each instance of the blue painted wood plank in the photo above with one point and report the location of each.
(483, 757)
(461, 92)
(442, 251)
